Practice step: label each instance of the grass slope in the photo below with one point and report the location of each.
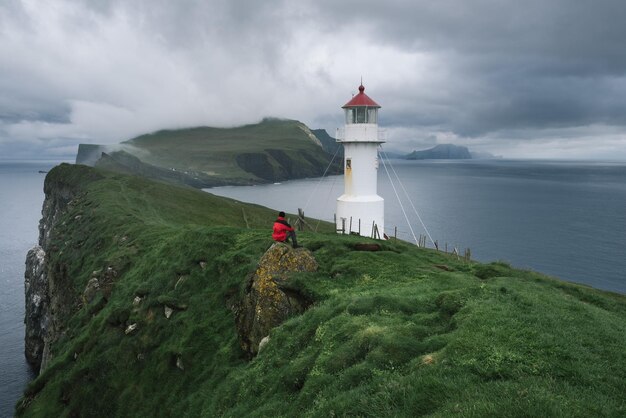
(400, 332)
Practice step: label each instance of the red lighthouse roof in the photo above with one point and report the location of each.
(361, 99)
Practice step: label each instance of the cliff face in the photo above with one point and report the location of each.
(89, 154)
(37, 315)
(46, 296)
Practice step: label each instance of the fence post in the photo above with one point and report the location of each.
(375, 232)
(300, 223)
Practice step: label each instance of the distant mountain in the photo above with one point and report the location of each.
(269, 151)
(441, 152)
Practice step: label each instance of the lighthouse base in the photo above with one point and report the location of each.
(359, 214)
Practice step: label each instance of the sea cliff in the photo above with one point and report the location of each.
(48, 299)
(147, 299)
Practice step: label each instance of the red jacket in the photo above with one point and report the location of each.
(280, 229)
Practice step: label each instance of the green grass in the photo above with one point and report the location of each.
(390, 332)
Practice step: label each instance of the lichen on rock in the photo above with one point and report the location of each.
(268, 301)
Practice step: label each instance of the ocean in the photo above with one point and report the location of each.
(21, 191)
(565, 219)
(562, 218)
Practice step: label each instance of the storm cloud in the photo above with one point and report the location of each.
(522, 79)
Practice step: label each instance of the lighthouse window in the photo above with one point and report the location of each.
(349, 116)
(360, 115)
(371, 115)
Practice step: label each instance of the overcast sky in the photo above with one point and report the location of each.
(523, 79)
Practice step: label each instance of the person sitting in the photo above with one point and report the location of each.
(283, 231)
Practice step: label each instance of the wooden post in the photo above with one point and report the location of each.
(343, 226)
(395, 233)
(373, 225)
(300, 223)
(359, 226)
(437, 245)
(350, 225)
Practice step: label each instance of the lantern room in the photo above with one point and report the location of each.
(361, 109)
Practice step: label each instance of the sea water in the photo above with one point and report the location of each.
(21, 198)
(562, 218)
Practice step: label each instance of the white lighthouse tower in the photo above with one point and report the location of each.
(359, 208)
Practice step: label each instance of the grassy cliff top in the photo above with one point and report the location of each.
(399, 332)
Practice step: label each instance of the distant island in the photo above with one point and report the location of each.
(448, 152)
(270, 151)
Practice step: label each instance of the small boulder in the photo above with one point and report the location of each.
(91, 290)
(168, 311)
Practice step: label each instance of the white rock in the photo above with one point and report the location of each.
(137, 300)
(168, 312)
(264, 342)
(130, 328)
(179, 363)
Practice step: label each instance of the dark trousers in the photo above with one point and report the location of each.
(292, 235)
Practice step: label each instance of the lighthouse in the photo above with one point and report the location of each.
(360, 209)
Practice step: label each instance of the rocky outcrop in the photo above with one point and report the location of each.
(269, 300)
(37, 317)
